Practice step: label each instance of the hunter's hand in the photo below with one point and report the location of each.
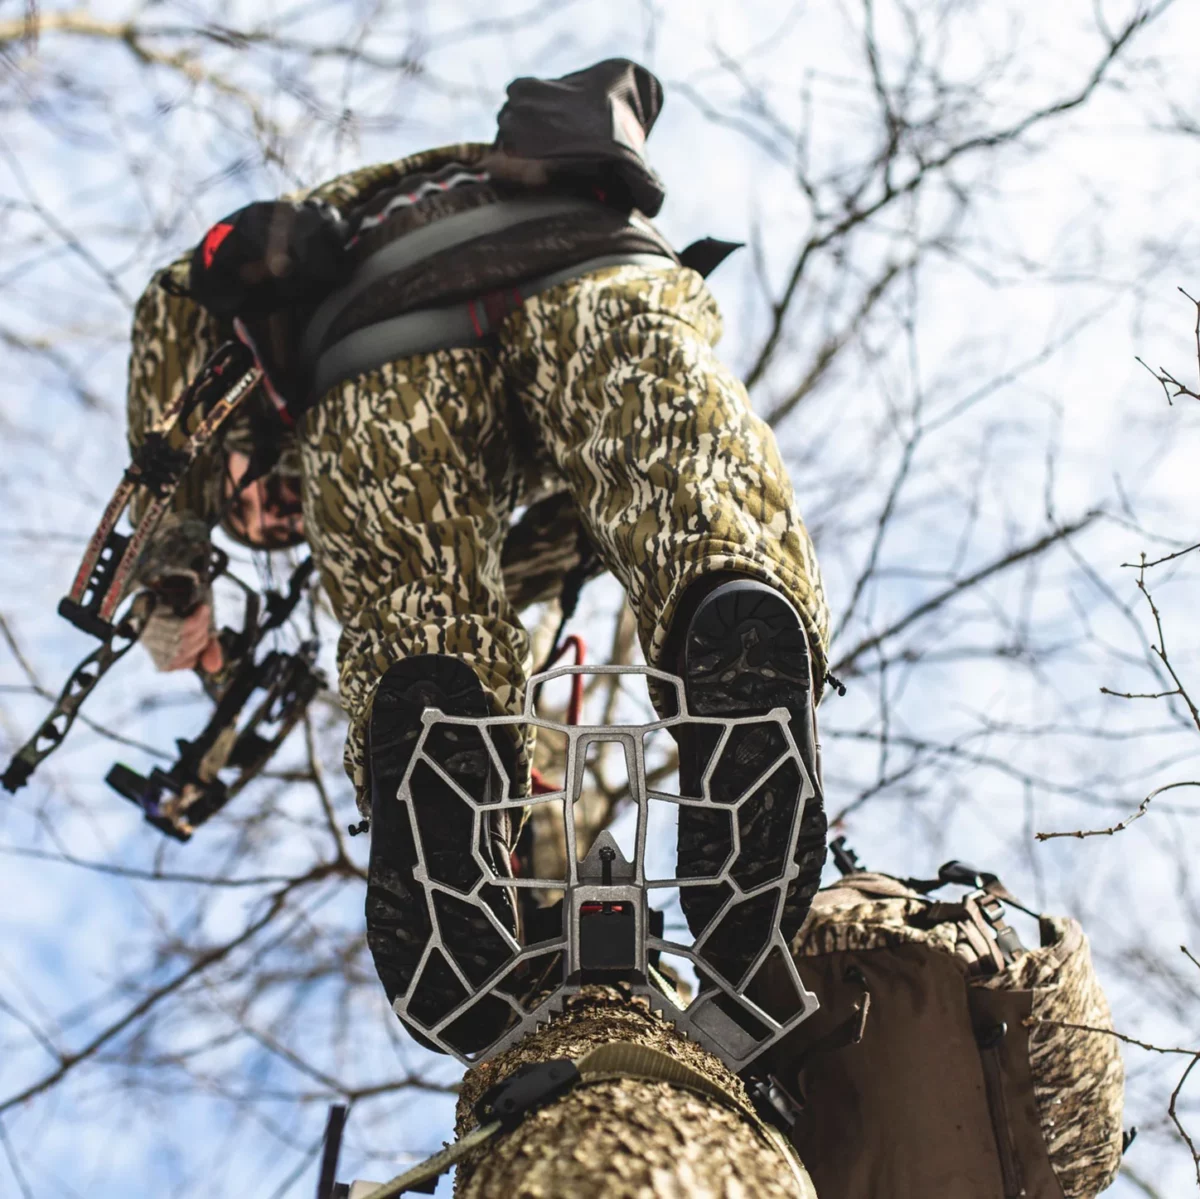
(182, 642)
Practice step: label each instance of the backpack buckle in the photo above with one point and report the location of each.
(992, 910)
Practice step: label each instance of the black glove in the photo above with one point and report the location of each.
(269, 256)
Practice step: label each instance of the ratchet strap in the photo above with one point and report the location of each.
(534, 1085)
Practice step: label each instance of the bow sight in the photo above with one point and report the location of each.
(258, 699)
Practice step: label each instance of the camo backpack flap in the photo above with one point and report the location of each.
(1077, 1076)
(965, 1081)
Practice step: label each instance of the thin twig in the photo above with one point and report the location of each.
(210, 957)
(1120, 826)
(847, 660)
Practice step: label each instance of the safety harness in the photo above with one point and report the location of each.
(452, 326)
(328, 358)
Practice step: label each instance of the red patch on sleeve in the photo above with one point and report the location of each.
(212, 241)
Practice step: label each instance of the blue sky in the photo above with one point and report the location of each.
(1014, 344)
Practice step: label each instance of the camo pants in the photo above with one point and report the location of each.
(607, 385)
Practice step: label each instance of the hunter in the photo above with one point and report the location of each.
(452, 339)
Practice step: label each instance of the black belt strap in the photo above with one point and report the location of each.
(454, 326)
(419, 244)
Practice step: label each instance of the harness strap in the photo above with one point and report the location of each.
(533, 1087)
(452, 326)
(443, 234)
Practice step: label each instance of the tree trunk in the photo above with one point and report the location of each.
(622, 1138)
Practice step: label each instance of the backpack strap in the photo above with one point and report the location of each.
(846, 1032)
(967, 875)
(984, 907)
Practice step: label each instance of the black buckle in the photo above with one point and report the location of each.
(844, 858)
(774, 1104)
(962, 873)
(992, 910)
(529, 1087)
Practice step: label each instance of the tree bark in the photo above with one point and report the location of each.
(622, 1138)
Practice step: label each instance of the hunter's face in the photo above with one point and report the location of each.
(267, 512)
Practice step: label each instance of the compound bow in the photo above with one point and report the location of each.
(180, 798)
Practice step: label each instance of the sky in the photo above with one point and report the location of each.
(1015, 343)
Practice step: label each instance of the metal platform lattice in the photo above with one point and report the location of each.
(611, 926)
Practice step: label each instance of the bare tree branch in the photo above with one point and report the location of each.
(848, 660)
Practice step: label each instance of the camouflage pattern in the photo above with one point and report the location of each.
(172, 335)
(1078, 1077)
(626, 1138)
(409, 481)
(606, 385)
(171, 338)
(358, 186)
(181, 547)
(672, 472)
(603, 393)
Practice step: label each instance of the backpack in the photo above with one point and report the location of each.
(591, 127)
(940, 1063)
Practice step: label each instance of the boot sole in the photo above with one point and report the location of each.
(398, 923)
(745, 653)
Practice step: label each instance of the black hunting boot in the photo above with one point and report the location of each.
(744, 651)
(403, 916)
